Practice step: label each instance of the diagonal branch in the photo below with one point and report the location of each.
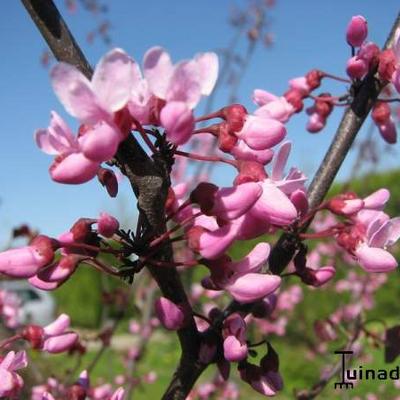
(150, 183)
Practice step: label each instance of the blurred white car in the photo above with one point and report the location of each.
(37, 306)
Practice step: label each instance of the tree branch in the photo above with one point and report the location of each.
(150, 183)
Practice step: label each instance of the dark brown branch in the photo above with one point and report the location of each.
(150, 182)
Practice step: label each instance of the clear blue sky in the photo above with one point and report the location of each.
(308, 34)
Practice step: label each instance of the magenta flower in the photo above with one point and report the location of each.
(170, 315)
(27, 261)
(10, 382)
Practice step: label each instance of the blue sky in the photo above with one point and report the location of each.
(309, 34)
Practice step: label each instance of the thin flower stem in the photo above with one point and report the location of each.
(10, 340)
(199, 157)
(144, 136)
(336, 78)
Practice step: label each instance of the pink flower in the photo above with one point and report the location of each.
(181, 87)
(60, 271)
(274, 205)
(53, 338)
(27, 261)
(241, 151)
(234, 334)
(261, 133)
(10, 382)
(372, 232)
(278, 108)
(178, 121)
(226, 203)
(241, 278)
(357, 31)
(170, 315)
(96, 100)
(70, 165)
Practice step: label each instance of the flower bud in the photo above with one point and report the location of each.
(357, 31)
(356, 68)
(387, 64)
(34, 334)
(108, 179)
(381, 112)
(107, 225)
(170, 315)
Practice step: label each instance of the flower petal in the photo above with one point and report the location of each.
(158, 69)
(374, 259)
(113, 79)
(252, 287)
(254, 260)
(208, 70)
(74, 92)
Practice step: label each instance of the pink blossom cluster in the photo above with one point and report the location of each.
(117, 100)
(38, 261)
(81, 389)
(53, 338)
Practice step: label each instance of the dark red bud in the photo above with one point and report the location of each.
(295, 98)
(34, 334)
(194, 235)
(108, 179)
(226, 139)
(234, 115)
(45, 247)
(387, 64)
(171, 198)
(203, 195)
(323, 107)
(381, 112)
(82, 229)
(314, 78)
(76, 392)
